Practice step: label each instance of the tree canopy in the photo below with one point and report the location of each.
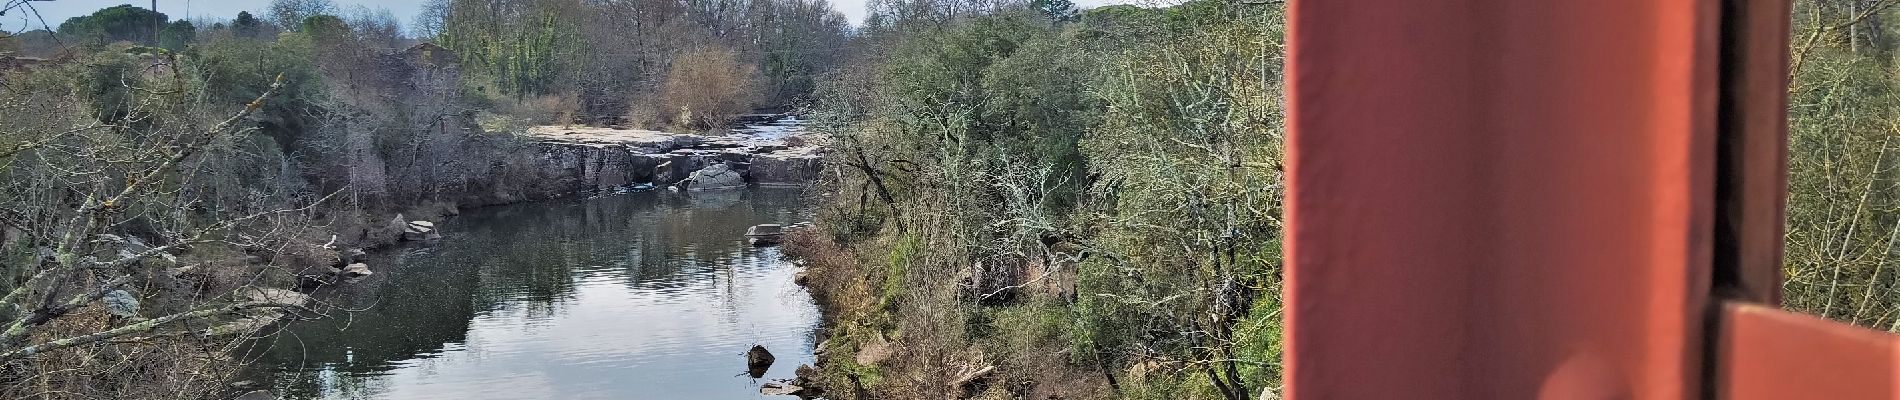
(117, 23)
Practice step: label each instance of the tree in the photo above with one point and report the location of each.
(177, 35)
(246, 25)
(1055, 10)
(117, 23)
(290, 14)
(324, 27)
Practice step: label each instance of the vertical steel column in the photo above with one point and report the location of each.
(1501, 199)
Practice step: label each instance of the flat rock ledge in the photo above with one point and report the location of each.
(591, 159)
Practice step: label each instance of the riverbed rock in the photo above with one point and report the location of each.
(805, 375)
(419, 231)
(592, 160)
(715, 177)
(782, 389)
(256, 395)
(787, 167)
(821, 349)
(356, 270)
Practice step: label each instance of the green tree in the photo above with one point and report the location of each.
(1055, 10)
(117, 23)
(324, 27)
(246, 25)
(291, 14)
(177, 35)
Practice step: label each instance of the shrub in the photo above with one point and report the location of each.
(707, 88)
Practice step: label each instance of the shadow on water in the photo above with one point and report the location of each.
(648, 295)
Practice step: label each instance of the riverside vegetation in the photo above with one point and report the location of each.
(1023, 200)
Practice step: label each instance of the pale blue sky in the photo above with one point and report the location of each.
(57, 11)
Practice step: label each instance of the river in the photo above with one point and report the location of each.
(650, 295)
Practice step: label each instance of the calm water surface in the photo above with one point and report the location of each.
(640, 296)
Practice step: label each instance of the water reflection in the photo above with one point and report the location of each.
(650, 295)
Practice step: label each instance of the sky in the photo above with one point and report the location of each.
(56, 11)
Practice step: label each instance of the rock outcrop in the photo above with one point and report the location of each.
(586, 159)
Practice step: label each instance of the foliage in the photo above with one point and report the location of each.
(1844, 205)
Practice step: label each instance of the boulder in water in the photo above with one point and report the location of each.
(759, 358)
(715, 177)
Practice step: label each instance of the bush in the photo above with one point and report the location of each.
(707, 88)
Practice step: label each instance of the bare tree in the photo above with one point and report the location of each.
(102, 222)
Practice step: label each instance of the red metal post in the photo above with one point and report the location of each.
(1500, 198)
(1518, 199)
